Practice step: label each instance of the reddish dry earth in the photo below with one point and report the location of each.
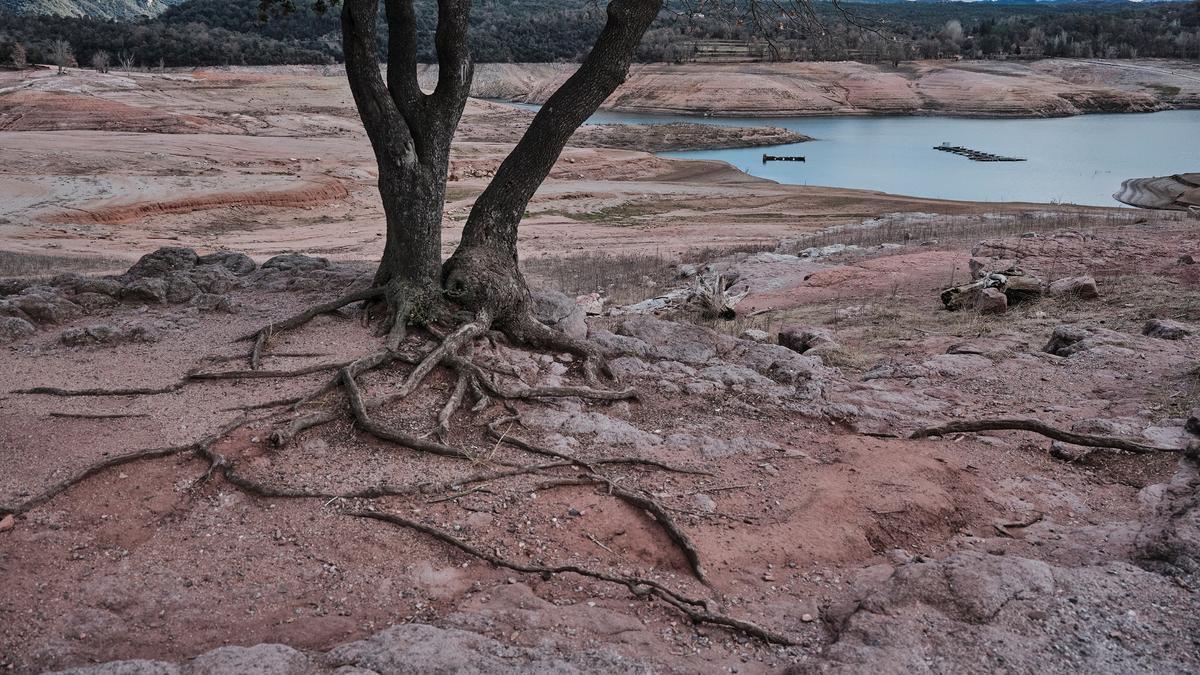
(816, 518)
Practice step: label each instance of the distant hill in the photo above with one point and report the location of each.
(98, 9)
(230, 32)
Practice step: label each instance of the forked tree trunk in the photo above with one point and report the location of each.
(410, 132)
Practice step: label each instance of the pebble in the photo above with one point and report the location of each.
(807, 618)
(7, 523)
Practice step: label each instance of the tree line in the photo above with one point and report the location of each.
(233, 32)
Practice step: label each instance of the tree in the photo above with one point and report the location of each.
(18, 56)
(100, 60)
(126, 60)
(62, 55)
(411, 132)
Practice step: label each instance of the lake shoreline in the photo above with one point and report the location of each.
(988, 89)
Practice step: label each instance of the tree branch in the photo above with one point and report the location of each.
(498, 210)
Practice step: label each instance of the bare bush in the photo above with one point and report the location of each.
(100, 61)
(62, 55)
(18, 56)
(126, 61)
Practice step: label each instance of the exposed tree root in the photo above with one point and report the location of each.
(196, 374)
(696, 609)
(518, 442)
(264, 334)
(648, 504)
(97, 416)
(969, 426)
(528, 330)
(452, 405)
(86, 472)
(364, 421)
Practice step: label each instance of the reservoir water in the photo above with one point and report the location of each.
(1080, 160)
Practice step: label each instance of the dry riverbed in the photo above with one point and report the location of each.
(789, 470)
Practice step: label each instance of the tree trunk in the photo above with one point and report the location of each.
(410, 132)
(483, 271)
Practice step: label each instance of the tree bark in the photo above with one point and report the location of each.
(483, 271)
(410, 132)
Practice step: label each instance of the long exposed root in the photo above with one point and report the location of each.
(452, 405)
(1089, 440)
(86, 472)
(364, 421)
(654, 508)
(264, 334)
(696, 609)
(530, 331)
(518, 442)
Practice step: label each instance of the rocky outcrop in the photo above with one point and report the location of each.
(1178, 192)
(414, 648)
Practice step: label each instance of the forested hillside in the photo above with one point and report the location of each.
(232, 32)
(97, 9)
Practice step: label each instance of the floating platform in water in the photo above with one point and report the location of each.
(975, 155)
(782, 158)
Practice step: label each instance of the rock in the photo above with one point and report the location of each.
(93, 301)
(108, 334)
(7, 308)
(705, 503)
(1069, 453)
(131, 667)
(1166, 329)
(558, 311)
(991, 301)
(755, 335)
(420, 648)
(592, 304)
(13, 329)
(266, 659)
(1193, 423)
(180, 288)
(209, 302)
(163, 262)
(1187, 259)
(238, 263)
(214, 279)
(46, 306)
(977, 268)
(296, 262)
(1068, 340)
(687, 271)
(1079, 287)
(7, 523)
(77, 283)
(801, 339)
(1021, 286)
(145, 290)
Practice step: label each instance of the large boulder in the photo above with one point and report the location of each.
(559, 312)
(162, 262)
(1069, 340)
(1078, 287)
(13, 329)
(45, 305)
